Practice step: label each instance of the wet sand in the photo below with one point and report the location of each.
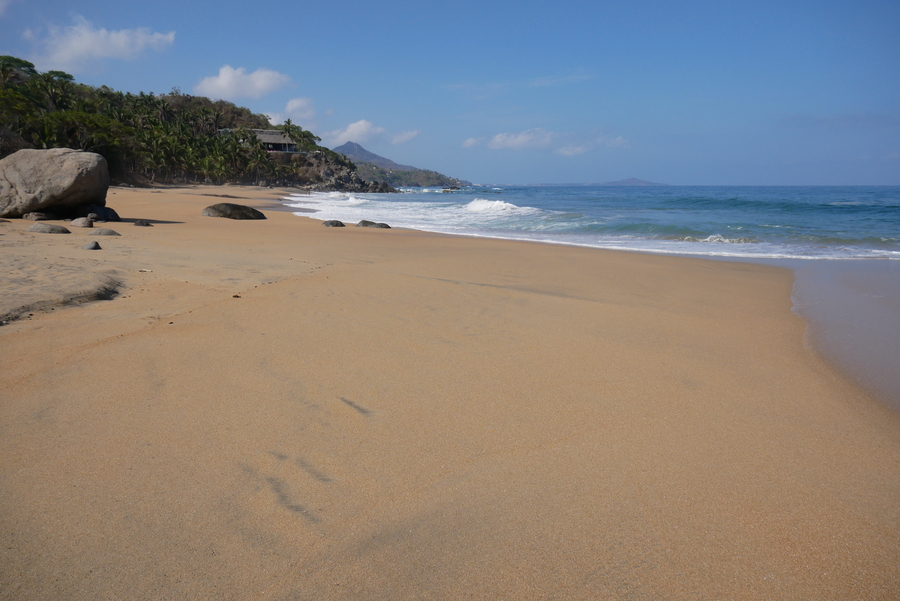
(278, 410)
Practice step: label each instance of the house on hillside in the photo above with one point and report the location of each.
(275, 141)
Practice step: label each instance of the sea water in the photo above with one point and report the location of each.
(842, 241)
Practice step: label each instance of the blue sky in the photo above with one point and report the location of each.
(705, 93)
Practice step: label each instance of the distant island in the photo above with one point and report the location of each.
(372, 167)
(631, 181)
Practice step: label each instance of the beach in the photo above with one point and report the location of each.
(278, 410)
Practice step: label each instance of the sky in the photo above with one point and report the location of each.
(524, 92)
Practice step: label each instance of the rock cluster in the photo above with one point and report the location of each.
(57, 181)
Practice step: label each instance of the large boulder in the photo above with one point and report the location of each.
(229, 210)
(60, 179)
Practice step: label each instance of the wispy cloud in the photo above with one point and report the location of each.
(564, 144)
(572, 151)
(405, 136)
(532, 138)
(233, 83)
(4, 4)
(617, 142)
(74, 47)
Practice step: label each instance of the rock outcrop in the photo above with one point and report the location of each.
(58, 180)
(325, 173)
(232, 211)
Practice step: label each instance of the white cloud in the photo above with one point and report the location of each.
(73, 47)
(472, 142)
(233, 83)
(359, 132)
(532, 138)
(405, 136)
(300, 109)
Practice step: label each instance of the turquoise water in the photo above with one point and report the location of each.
(842, 242)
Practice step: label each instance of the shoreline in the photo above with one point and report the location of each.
(280, 410)
(854, 326)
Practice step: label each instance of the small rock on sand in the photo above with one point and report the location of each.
(104, 232)
(81, 222)
(92, 246)
(48, 228)
(333, 223)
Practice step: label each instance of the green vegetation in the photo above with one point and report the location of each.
(146, 138)
(421, 178)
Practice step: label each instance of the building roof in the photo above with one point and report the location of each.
(272, 136)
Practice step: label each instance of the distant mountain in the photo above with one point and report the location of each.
(358, 154)
(631, 181)
(373, 167)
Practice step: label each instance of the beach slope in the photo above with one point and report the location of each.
(277, 410)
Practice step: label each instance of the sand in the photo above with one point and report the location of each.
(278, 410)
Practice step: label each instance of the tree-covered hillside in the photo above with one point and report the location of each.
(149, 137)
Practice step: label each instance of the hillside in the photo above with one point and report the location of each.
(373, 167)
(162, 138)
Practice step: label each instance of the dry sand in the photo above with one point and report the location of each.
(278, 410)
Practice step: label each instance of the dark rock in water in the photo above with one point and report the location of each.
(230, 210)
(92, 246)
(81, 222)
(143, 223)
(104, 232)
(333, 223)
(60, 179)
(367, 223)
(38, 216)
(48, 228)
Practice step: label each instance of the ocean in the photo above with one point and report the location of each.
(843, 242)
